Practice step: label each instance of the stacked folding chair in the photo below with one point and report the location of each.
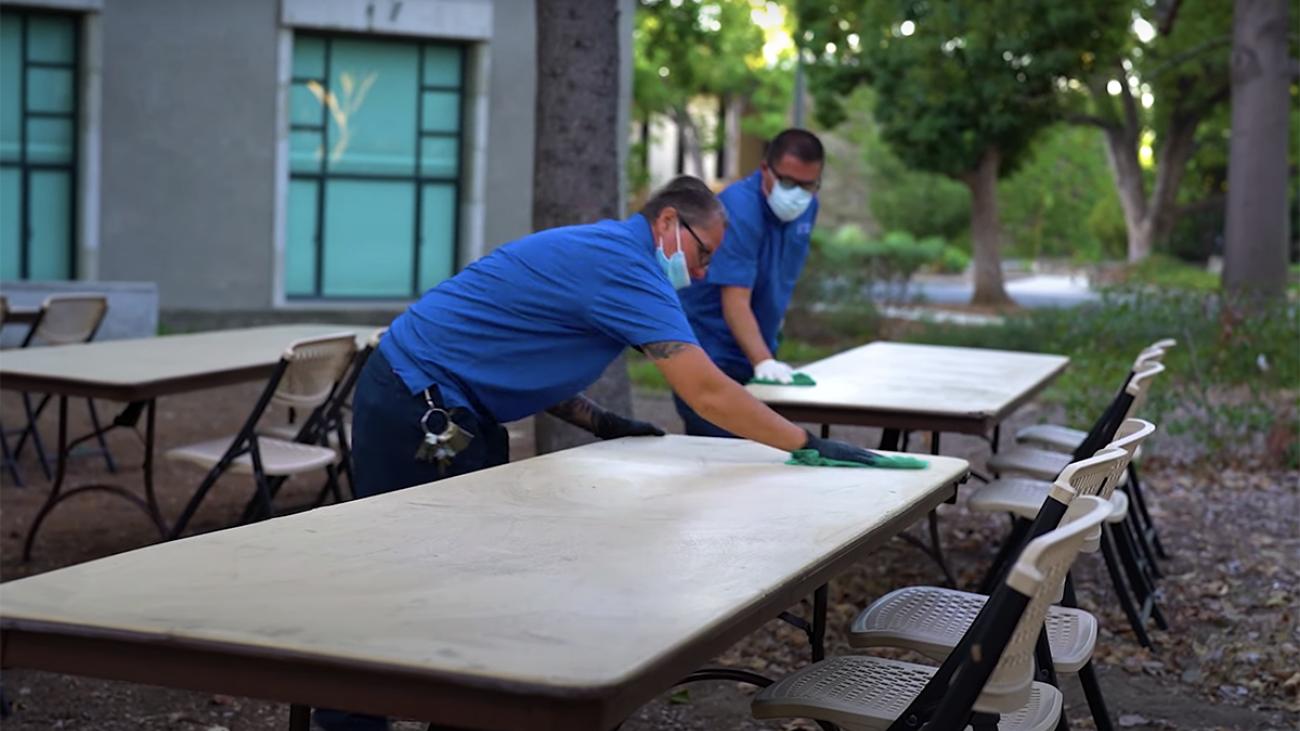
(987, 680)
(1130, 561)
(308, 374)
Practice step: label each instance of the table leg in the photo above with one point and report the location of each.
(299, 718)
(818, 636)
(149, 504)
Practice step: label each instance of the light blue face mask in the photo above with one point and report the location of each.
(788, 203)
(675, 267)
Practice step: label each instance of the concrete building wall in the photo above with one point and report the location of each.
(189, 182)
(188, 144)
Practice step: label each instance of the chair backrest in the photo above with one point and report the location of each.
(995, 670)
(329, 415)
(312, 369)
(66, 319)
(1139, 386)
(1039, 574)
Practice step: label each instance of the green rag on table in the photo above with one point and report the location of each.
(800, 379)
(813, 458)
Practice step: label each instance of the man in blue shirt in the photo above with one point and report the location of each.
(737, 310)
(526, 329)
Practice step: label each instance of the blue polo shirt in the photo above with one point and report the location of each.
(759, 252)
(537, 321)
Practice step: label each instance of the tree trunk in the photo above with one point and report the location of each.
(1258, 223)
(690, 136)
(576, 173)
(986, 231)
(1122, 153)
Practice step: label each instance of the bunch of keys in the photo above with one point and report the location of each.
(445, 445)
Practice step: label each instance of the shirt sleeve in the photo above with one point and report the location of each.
(638, 306)
(736, 262)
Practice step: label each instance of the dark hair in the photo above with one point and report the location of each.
(694, 201)
(794, 141)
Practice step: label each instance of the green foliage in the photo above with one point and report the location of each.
(683, 49)
(1230, 381)
(846, 266)
(956, 79)
(1064, 182)
(1165, 272)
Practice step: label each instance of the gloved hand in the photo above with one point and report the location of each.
(609, 425)
(774, 370)
(831, 449)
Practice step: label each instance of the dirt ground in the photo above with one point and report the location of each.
(1230, 661)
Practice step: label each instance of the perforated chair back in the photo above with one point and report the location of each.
(67, 319)
(313, 367)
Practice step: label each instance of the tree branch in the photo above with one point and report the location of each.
(1211, 45)
(1166, 16)
(1130, 105)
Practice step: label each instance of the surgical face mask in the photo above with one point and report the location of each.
(788, 203)
(675, 267)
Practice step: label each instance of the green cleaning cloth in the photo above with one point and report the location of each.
(800, 379)
(813, 458)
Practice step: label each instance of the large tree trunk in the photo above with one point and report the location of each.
(1258, 224)
(576, 173)
(1122, 153)
(986, 231)
(690, 137)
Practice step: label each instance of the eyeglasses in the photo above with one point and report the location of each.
(706, 254)
(785, 181)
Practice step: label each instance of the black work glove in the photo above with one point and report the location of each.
(831, 449)
(609, 425)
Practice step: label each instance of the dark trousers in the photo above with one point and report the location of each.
(386, 433)
(698, 426)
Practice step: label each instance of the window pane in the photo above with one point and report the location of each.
(49, 90)
(51, 38)
(373, 129)
(300, 242)
(304, 152)
(305, 103)
(438, 234)
(11, 69)
(49, 140)
(368, 238)
(10, 223)
(308, 57)
(441, 111)
(442, 65)
(439, 156)
(51, 220)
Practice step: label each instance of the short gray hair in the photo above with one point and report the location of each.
(692, 199)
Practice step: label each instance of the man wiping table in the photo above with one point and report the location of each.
(527, 328)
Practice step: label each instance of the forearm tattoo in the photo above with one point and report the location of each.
(579, 411)
(664, 349)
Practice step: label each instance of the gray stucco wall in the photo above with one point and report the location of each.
(187, 185)
(512, 107)
(188, 178)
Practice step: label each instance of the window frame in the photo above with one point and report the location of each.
(418, 180)
(26, 114)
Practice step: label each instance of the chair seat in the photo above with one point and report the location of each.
(857, 692)
(289, 432)
(932, 620)
(1053, 437)
(1041, 464)
(279, 457)
(1020, 496)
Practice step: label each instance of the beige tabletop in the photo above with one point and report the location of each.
(916, 386)
(568, 588)
(129, 370)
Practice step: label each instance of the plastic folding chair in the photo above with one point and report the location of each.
(986, 682)
(1057, 438)
(64, 319)
(307, 375)
(932, 619)
(10, 462)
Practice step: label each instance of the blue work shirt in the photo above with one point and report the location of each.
(538, 320)
(759, 252)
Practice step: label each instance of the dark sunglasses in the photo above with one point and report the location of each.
(706, 254)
